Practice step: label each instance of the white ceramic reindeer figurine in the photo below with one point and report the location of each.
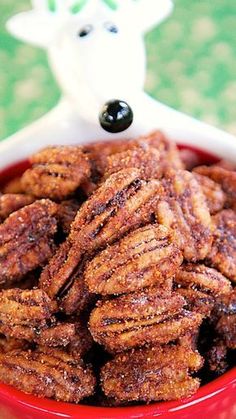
(97, 53)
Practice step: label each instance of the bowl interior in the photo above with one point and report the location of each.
(44, 408)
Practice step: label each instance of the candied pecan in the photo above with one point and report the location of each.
(12, 202)
(169, 154)
(55, 334)
(121, 204)
(223, 253)
(226, 178)
(14, 186)
(24, 307)
(58, 286)
(26, 240)
(67, 211)
(158, 373)
(56, 173)
(215, 196)
(147, 160)
(141, 318)
(197, 301)
(82, 340)
(28, 315)
(48, 373)
(203, 278)
(224, 319)
(143, 258)
(184, 209)
(99, 153)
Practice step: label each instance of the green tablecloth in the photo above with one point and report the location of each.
(191, 66)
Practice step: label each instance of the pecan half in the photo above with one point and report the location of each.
(56, 172)
(223, 252)
(28, 315)
(10, 203)
(226, 178)
(158, 373)
(184, 209)
(143, 258)
(147, 160)
(141, 318)
(48, 373)
(26, 240)
(215, 196)
(203, 278)
(224, 318)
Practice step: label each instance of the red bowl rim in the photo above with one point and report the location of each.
(68, 410)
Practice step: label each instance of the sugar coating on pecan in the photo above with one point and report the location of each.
(184, 210)
(56, 172)
(146, 160)
(122, 203)
(157, 373)
(28, 315)
(64, 283)
(100, 153)
(82, 340)
(25, 307)
(203, 278)
(223, 253)
(47, 372)
(26, 240)
(10, 203)
(224, 319)
(143, 258)
(226, 178)
(215, 196)
(137, 319)
(197, 301)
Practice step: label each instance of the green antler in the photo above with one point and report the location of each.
(79, 4)
(76, 8)
(52, 6)
(111, 3)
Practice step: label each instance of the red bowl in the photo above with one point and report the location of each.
(215, 400)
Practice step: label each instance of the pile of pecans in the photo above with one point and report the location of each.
(117, 273)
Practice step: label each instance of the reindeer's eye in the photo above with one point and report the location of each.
(111, 27)
(85, 31)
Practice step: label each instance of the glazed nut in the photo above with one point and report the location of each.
(145, 257)
(153, 374)
(184, 209)
(26, 240)
(138, 319)
(56, 172)
(48, 373)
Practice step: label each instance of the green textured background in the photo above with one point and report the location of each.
(191, 66)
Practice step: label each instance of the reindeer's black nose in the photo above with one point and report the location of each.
(116, 116)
